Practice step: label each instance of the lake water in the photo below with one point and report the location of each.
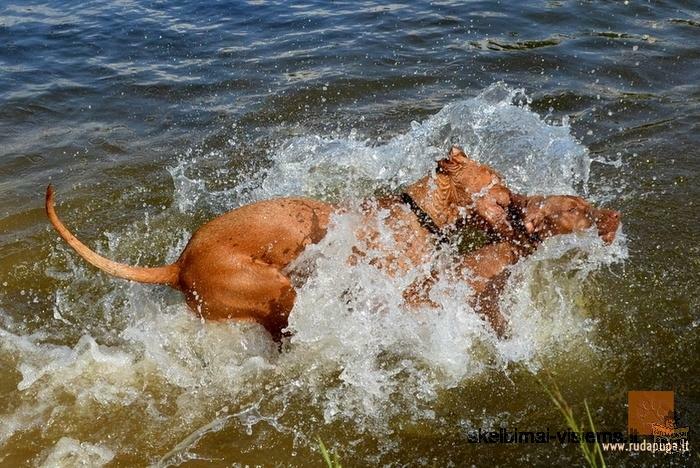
(151, 117)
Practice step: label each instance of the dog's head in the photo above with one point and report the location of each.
(467, 174)
(477, 187)
(564, 214)
(455, 160)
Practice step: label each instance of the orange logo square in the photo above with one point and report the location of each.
(647, 410)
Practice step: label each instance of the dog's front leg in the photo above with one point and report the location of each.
(418, 293)
(486, 303)
(485, 271)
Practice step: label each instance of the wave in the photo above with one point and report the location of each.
(357, 355)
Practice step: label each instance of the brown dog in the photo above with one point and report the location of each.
(232, 267)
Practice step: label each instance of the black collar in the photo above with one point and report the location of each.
(424, 219)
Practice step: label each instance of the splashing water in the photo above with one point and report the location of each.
(357, 356)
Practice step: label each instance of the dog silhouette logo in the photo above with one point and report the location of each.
(651, 413)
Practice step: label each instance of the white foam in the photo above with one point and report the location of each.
(533, 156)
(69, 453)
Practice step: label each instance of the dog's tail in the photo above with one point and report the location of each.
(167, 274)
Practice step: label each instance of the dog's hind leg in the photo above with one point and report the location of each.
(238, 287)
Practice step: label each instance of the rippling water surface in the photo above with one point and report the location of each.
(153, 117)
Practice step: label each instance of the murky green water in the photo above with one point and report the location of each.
(151, 118)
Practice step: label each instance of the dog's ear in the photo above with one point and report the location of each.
(455, 157)
(607, 222)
